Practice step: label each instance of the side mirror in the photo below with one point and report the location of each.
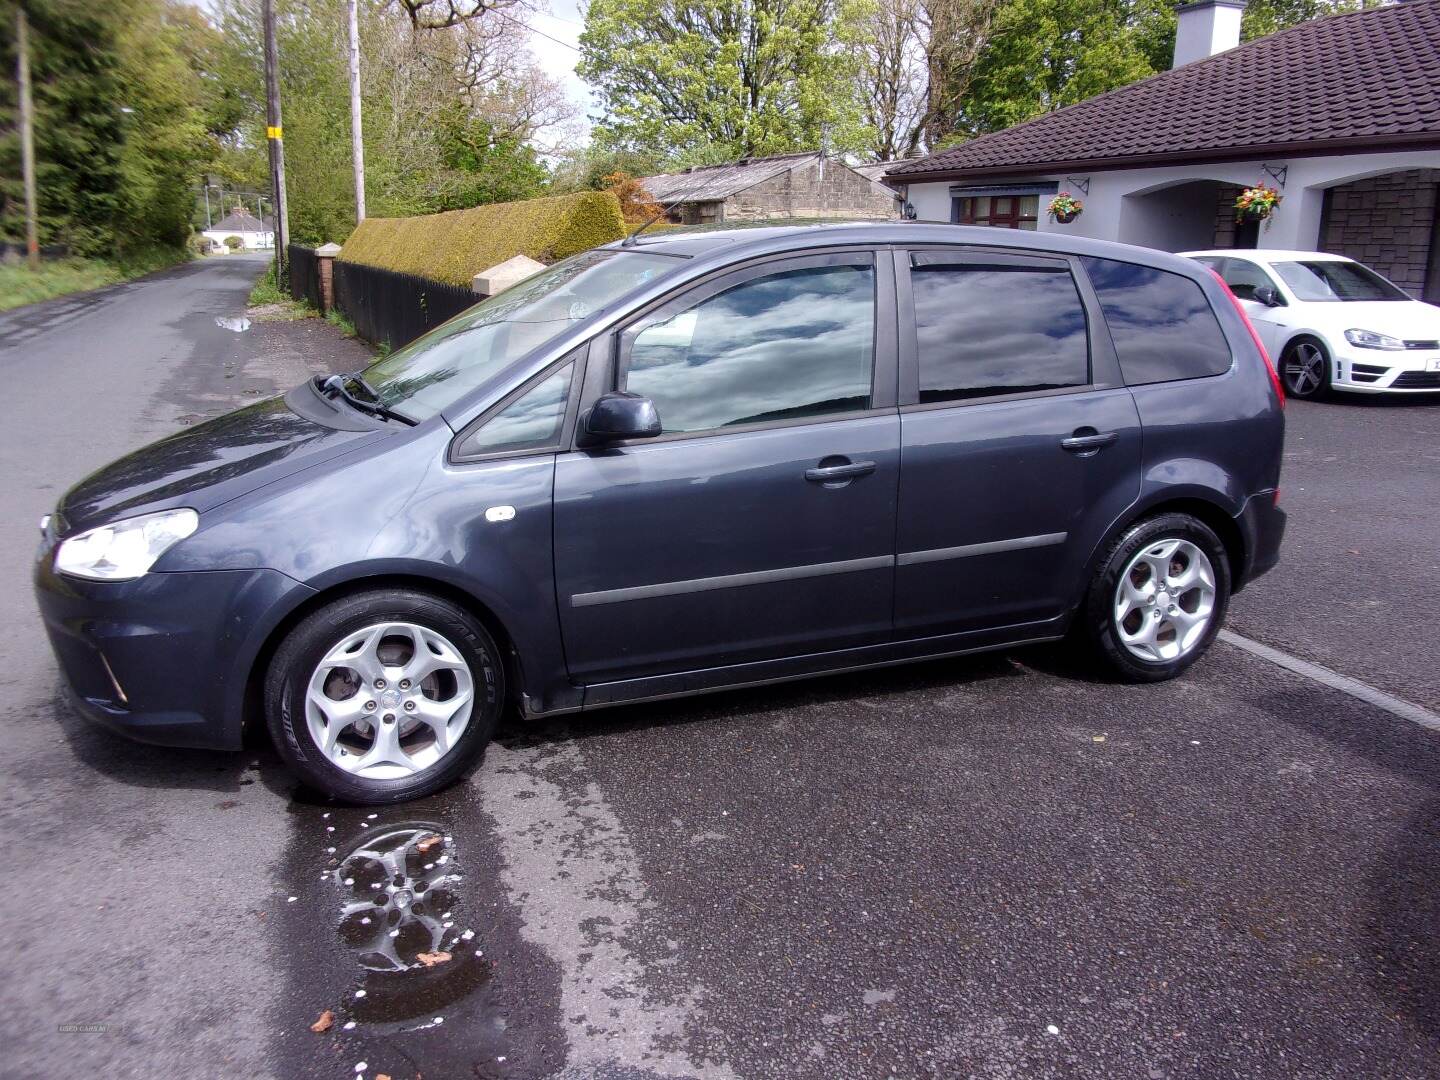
(618, 415)
(1266, 294)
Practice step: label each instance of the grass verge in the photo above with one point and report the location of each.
(19, 285)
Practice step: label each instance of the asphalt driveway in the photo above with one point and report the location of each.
(996, 867)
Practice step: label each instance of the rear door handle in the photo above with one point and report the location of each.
(1093, 441)
(825, 474)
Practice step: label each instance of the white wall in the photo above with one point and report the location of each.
(1296, 224)
(252, 240)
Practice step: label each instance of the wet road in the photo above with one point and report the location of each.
(994, 868)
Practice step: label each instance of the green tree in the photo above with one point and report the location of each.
(1045, 54)
(709, 80)
(119, 140)
(1266, 16)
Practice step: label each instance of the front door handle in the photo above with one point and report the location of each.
(1090, 441)
(828, 474)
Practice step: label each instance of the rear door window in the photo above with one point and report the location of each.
(1161, 323)
(984, 329)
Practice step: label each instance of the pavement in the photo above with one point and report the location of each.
(991, 867)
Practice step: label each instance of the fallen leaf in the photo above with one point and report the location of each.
(382, 1076)
(323, 1023)
(1097, 738)
(426, 844)
(430, 959)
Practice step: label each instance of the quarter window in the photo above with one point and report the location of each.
(1161, 323)
(532, 421)
(782, 346)
(983, 330)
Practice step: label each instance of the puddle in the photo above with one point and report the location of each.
(238, 323)
(379, 898)
(399, 898)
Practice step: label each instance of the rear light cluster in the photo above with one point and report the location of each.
(1259, 345)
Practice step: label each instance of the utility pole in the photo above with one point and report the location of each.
(357, 144)
(273, 136)
(27, 137)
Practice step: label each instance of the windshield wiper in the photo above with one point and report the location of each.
(335, 384)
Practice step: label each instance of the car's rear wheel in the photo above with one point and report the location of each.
(384, 696)
(1158, 599)
(1305, 370)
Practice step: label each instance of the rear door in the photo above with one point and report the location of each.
(1020, 444)
(761, 524)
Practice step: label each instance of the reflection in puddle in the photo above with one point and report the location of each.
(402, 915)
(238, 323)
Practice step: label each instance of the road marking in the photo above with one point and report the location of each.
(1395, 706)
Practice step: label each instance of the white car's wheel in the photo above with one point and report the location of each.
(1305, 370)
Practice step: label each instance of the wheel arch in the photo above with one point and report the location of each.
(1208, 511)
(438, 587)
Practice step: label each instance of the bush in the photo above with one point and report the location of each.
(455, 246)
(234, 243)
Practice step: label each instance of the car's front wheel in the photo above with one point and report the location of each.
(1305, 370)
(384, 696)
(1158, 599)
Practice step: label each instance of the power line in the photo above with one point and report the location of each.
(526, 26)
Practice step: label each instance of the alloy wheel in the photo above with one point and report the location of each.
(1164, 600)
(1305, 370)
(389, 701)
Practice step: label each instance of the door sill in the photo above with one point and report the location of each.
(790, 668)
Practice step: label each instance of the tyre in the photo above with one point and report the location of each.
(1305, 370)
(1158, 598)
(384, 696)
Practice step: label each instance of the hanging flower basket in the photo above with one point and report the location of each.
(1064, 208)
(1257, 203)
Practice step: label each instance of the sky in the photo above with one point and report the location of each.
(562, 23)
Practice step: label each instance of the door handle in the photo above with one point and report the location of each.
(1091, 441)
(825, 474)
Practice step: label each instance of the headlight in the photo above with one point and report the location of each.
(1369, 339)
(125, 549)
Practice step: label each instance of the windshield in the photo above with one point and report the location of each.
(437, 369)
(1327, 280)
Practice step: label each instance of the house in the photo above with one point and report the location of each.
(808, 185)
(252, 231)
(1341, 115)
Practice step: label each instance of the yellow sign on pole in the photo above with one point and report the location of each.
(272, 133)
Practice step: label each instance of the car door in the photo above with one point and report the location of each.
(1020, 444)
(1271, 322)
(761, 523)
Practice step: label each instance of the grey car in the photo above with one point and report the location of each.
(687, 462)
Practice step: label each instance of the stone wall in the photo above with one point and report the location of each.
(1388, 222)
(803, 193)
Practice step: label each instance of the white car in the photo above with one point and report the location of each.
(1332, 323)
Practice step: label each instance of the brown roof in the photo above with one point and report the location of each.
(1370, 79)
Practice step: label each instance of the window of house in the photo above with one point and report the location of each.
(986, 330)
(779, 346)
(1162, 324)
(533, 421)
(1003, 211)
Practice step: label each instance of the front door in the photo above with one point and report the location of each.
(761, 523)
(1271, 323)
(1020, 444)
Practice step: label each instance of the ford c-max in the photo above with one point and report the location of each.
(676, 464)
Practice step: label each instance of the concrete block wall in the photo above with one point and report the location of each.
(804, 193)
(1388, 222)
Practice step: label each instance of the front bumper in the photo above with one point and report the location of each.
(1380, 371)
(165, 658)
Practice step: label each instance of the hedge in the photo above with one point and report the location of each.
(455, 246)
